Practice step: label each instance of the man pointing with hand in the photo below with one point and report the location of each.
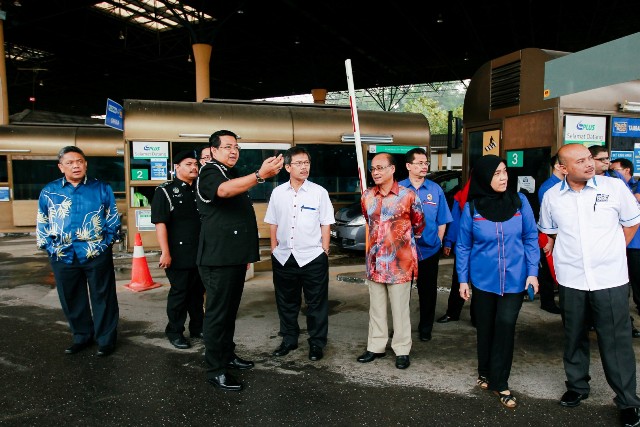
(228, 242)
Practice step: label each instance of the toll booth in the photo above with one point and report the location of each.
(135, 162)
(505, 114)
(154, 131)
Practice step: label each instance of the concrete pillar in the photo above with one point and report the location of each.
(202, 57)
(4, 98)
(319, 96)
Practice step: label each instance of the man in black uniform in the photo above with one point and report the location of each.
(175, 214)
(228, 241)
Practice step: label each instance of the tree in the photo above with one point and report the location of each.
(432, 110)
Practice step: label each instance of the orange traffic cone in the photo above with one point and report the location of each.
(140, 276)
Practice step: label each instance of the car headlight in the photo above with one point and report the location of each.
(357, 221)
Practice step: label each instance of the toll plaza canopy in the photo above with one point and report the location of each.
(69, 56)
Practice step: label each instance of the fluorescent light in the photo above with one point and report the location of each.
(630, 106)
(376, 139)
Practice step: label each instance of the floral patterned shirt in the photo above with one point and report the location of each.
(81, 220)
(393, 222)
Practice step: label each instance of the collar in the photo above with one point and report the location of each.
(181, 182)
(65, 182)
(304, 185)
(219, 164)
(394, 189)
(564, 187)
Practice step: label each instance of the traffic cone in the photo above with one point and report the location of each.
(140, 276)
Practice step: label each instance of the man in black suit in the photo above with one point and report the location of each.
(228, 242)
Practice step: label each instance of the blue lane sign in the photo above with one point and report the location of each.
(114, 117)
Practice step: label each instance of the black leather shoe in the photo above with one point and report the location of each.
(402, 362)
(239, 363)
(572, 398)
(315, 353)
(629, 417)
(105, 350)
(180, 343)
(225, 382)
(198, 336)
(78, 347)
(446, 319)
(425, 336)
(553, 309)
(369, 356)
(284, 349)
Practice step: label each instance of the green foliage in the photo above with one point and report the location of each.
(433, 111)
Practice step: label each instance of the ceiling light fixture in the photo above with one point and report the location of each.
(189, 59)
(121, 36)
(17, 3)
(439, 20)
(466, 56)
(41, 83)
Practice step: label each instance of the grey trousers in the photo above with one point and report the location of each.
(610, 311)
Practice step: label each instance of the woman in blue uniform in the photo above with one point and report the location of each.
(497, 251)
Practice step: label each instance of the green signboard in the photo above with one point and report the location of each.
(139, 174)
(514, 158)
(394, 149)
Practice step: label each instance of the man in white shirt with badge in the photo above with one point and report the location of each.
(300, 214)
(592, 219)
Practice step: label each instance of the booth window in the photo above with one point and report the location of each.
(30, 175)
(4, 176)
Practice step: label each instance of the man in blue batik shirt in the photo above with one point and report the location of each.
(77, 224)
(436, 216)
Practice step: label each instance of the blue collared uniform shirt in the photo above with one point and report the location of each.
(436, 213)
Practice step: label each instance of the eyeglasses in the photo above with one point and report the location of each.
(300, 164)
(230, 147)
(378, 168)
(206, 157)
(70, 163)
(602, 159)
(420, 163)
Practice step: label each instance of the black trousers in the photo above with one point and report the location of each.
(633, 262)
(496, 318)
(427, 291)
(609, 309)
(455, 301)
(546, 281)
(224, 286)
(290, 281)
(186, 296)
(94, 281)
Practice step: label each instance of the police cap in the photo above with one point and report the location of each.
(185, 154)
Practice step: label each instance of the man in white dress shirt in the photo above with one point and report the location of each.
(300, 214)
(592, 219)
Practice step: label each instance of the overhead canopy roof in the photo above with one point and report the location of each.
(266, 48)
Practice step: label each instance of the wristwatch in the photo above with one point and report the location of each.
(259, 178)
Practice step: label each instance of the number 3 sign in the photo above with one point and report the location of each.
(514, 158)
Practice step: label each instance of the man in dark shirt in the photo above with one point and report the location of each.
(228, 242)
(175, 214)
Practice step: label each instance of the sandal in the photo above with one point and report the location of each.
(482, 382)
(507, 400)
